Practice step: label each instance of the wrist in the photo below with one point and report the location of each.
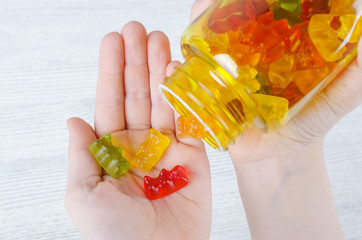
(287, 194)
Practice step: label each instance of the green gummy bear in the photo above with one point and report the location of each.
(287, 9)
(290, 5)
(109, 157)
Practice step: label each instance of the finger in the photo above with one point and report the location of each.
(199, 6)
(109, 108)
(137, 90)
(171, 67)
(159, 56)
(344, 94)
(82, 165)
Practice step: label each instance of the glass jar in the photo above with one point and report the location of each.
(258, 63)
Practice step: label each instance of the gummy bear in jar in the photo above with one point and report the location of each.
(258, 63)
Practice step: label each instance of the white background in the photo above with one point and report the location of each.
(48, 71)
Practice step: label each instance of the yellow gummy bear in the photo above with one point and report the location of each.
(200, 43)
(307, 79)
(241, 52)
(246, 76)
(347, 22)
(150, 151)
(271, 107)
(325, 38)
(281, 71)
(217, 43)
(341, 7)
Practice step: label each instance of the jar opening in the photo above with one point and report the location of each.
(211, 96)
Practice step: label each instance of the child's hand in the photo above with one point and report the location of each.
(128, 103)
(282, 176)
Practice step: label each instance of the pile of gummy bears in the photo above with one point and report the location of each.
(272, 56)
(111, 159)
(284, 47)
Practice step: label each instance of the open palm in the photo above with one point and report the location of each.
(132, 65)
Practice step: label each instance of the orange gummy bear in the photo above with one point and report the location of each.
(190, 127)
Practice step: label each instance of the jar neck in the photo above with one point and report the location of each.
(202, 88)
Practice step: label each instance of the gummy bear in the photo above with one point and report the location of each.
(281, 71)
(166, 183)
(261, 39)
(289, 5)
(217, 43)
(246, 76)
(241, 52)
(271, 107)
(109, 157)
(325, 38)
(311, 7)
(271, 38)
(347, 22)
(342, 7)
(261, 6)
(291, 93)
(232, 16)
(280, 12)
(307, 79)
(264, 86)
(200, 44)
(150, 151)
(307, 54)
(190, 127)
(290, 36)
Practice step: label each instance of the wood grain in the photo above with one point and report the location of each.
(48, 70)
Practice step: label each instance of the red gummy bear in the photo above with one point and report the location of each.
(166, 183)
(291, 93)
(311, 7)
(232, 16)
(262, 39)
(289, 35)
(307, 54)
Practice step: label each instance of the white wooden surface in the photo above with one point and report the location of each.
(48, 69)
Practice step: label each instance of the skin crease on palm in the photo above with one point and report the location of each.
(131, 66)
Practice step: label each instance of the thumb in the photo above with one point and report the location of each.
(339, 98)
(199, 6)
(82, 164)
